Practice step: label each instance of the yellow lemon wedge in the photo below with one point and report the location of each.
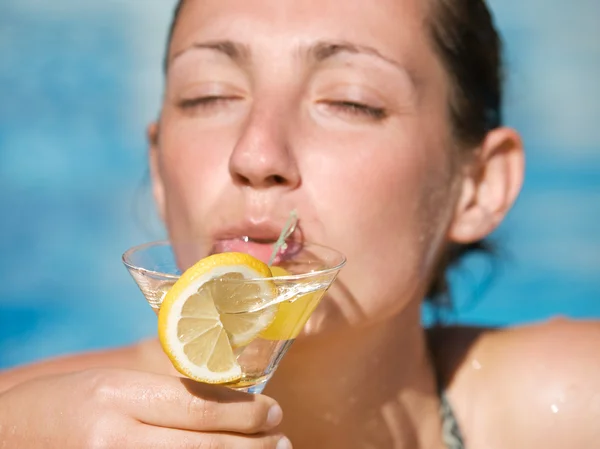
(210, 311)
(291, 316)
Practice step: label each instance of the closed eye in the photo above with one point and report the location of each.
(360, 109)
(206, 102)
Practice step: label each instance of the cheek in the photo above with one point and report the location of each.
(372, 204)
(194, 168)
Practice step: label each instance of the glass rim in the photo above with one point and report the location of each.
(126, 259)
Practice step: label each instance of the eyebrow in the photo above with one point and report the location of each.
(318, 52)
(322, 50)
(234, 50)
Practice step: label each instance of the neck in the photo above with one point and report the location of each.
(371, 387)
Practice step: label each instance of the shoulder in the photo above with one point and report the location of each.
(529, 386)
(145, 355)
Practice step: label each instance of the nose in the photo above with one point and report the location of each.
(262, 157)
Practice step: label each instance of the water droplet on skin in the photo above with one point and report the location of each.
(331, 418)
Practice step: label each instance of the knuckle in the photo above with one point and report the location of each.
(207, 410)
(254, 417)
(102, 386)
(212, 442)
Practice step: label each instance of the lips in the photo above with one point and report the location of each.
(261, 249)
(257, 237)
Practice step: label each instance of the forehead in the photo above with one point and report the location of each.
(396, 28)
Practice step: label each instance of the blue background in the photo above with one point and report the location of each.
(80, 80)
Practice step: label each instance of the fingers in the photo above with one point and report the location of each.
(163, 438)
(183, 404)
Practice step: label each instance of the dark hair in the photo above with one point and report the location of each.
(171, 32)
(464, 36)
(467, 42)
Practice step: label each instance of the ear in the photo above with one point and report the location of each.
(489, 187)
(158, 190)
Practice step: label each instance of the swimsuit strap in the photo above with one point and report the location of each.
(451, 434)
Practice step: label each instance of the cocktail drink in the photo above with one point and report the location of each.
(228, 317)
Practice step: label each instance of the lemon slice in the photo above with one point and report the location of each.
(204, 317)
(291, 316)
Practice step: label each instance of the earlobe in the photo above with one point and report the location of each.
(489, 188)
(155, 172)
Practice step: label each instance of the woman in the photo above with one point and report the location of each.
(380, 124)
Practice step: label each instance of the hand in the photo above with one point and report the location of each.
(130, 409)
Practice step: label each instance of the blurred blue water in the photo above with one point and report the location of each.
(78, 82)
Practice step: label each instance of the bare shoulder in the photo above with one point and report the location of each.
(145, 355)
(523, 387)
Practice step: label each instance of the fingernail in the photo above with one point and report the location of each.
(274, 416)
(284, 443)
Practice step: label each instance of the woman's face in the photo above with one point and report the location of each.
(335, 108)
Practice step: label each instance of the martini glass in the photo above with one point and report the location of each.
(302, 273)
